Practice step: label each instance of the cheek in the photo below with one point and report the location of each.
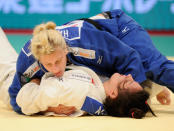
(132, 86)
(47, 68)
(138, 86)
(64, 61)
(135, 87)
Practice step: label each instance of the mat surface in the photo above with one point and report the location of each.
(164, 121)
(10, 121)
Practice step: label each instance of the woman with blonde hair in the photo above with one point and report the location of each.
(78, 92)
(107, 43)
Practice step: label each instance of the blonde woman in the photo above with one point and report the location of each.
(107, 43)
(78, 92)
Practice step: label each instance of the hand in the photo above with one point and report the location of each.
(36, 80)
(61, 109)
(164, 97)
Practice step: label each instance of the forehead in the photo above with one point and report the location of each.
(49, 58)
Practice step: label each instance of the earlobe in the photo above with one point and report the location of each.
(113, 95)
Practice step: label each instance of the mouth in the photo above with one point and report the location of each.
(59, 74)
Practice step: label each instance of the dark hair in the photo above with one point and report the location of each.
(128, 104)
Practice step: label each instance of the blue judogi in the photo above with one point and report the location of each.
(119, 45)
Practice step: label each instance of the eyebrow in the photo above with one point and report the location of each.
(55, 60)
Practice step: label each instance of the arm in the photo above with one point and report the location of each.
(61, 96)
(13, 91)
(24, 72)
(117, 56)
(50, 96)
(33, 99)
(60, 109)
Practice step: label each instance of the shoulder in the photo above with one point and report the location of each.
(26, 49)
(71, 30)
(25, 52)
(25, 59)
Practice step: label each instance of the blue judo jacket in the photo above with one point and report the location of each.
(106, 50)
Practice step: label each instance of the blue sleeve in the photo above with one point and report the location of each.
(23, 62)
(13, 91)
(117, 56)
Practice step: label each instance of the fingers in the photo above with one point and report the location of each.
(164, 97)
(164, 101)
(67, 110)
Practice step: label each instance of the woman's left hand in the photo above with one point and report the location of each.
(164, 97)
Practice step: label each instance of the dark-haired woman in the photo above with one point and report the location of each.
(108, 43)
(78, 91)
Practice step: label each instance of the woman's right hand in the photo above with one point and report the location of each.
(61, 109)
(36, 80)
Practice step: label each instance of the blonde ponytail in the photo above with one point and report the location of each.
(42, 27)
(46, 39)
(50, 25)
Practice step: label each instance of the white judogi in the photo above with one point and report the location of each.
(52, 91)
(69, 90)
(8, 57)
(77, 84)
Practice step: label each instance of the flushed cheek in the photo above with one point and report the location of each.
(135, 87)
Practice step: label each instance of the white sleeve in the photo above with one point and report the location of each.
(52, 91)
(26, 98)
(32, 99)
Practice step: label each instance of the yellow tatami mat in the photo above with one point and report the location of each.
(10, 121)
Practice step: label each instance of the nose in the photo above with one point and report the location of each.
(55, 69)
(134, 87)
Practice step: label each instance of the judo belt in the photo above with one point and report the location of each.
(107, 15)
(92, 22)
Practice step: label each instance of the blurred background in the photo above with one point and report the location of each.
(19, 17)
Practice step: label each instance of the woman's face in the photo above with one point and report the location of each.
(122, 83)
(130, 85)
(55, 62)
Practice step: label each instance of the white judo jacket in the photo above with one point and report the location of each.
(79, 87)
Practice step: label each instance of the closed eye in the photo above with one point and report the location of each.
(49, 65)
(58, 61)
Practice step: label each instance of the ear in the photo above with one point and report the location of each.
(113, 94)
(66, 51)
